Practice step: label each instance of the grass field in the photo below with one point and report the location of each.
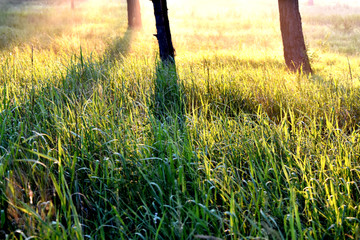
(99, 141)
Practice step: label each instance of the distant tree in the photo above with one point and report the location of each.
(134, 14)
(292, 36)
(166, 48)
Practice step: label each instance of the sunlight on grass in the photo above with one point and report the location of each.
(91, 148)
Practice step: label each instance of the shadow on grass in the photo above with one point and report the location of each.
(167, 100)
(75, 88)
(83, 73)
(120, 47)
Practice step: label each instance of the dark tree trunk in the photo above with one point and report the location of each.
(166, 48)
(292, 36)
(134, 14)
(72, 4)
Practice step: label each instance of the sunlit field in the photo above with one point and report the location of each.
(98, 140)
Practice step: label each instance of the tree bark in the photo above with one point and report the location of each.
(292, 36)
(134, 14)
(166, 48)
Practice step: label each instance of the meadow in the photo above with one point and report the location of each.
(100, 141)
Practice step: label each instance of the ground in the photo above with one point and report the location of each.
(99, 141)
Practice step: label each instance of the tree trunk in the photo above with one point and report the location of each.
(72, 4)
(166, 48)
(134, 14)
(292, 36)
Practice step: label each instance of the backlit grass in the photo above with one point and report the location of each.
(99, 141)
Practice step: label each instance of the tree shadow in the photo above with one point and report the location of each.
(84, 73)
(167, 103)
(74, 88)
(119, 47)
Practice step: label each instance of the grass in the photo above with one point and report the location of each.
(99, 141)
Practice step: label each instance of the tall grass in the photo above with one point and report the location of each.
(98, 141)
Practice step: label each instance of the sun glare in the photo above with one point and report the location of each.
(103, 138)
